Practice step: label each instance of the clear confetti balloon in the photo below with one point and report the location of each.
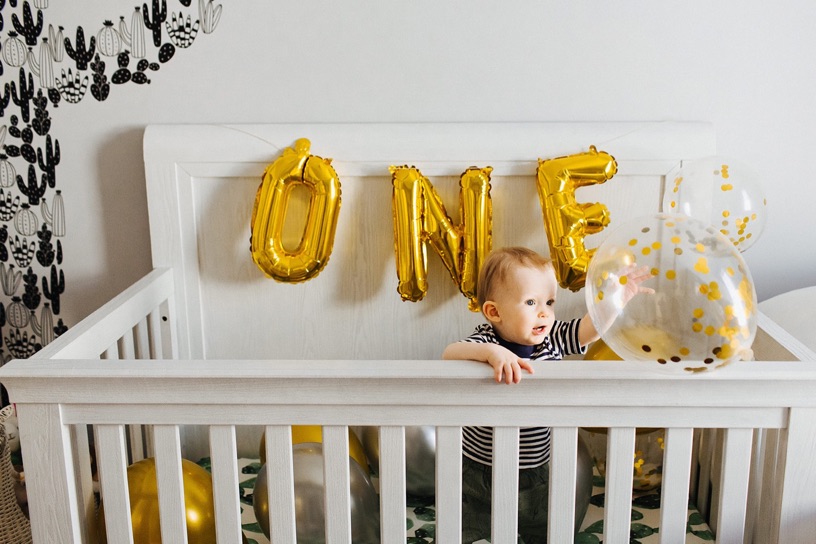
(721, 192)
(703, 312)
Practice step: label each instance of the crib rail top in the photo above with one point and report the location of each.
(405, 382)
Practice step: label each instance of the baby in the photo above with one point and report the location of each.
(516, 292)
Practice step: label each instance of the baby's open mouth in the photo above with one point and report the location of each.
(539, 330)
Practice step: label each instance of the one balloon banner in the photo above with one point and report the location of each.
(295, 168)
(567, 221)
(420, 217)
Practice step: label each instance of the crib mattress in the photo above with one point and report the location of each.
(421, 516)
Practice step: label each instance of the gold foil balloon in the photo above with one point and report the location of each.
(567, 221)
(703, 312)
(310, 522)
(144, 503)
(314, 434)
(420, 217)
(722, 192)
(295, 169)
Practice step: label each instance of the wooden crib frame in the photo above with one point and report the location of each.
(137, 371)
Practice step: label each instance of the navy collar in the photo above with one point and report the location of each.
(521, 350)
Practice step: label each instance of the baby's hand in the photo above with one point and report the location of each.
(635, 276)
(507, 366)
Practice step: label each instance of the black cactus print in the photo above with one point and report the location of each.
(96, 58)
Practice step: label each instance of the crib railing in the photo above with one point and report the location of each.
(763, 411)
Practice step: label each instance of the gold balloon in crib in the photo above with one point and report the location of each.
(722, 192)
(270, 249)
(703, 312)
(302, 434)
(144, 503)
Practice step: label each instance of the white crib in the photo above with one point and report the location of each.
(203, 354)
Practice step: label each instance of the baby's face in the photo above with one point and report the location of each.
(526, 305)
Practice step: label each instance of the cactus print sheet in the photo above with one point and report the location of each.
(420, 516)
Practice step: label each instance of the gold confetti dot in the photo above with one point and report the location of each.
(671, 274)
(675, 239)
(678, 251)
(726, 213)
(655, 271)
(684, 351)
(729, 271)
(698, 313)
(656, 246)
(726, 186)
(709, 330)
(600, 295)
(702, 266)
(646, 250)
(700, 247)
(697, 327)
(633, 242)
(623, 280)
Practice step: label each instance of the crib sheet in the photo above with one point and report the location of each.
(421, 516)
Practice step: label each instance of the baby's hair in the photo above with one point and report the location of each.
(499, 262)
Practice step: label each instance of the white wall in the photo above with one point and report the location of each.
(744, 65)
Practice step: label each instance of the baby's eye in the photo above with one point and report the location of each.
(551, 302)
(530, 302)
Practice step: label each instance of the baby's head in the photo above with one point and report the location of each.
(500, 262)
(516, 292)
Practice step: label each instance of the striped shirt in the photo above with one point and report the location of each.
(534, 442)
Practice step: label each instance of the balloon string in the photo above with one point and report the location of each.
(626, 134)
(251, 135)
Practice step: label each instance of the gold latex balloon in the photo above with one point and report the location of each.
(144, 503)
(295, 168)
(302, 434)
(703, 312)
(307, 471)
(567, 221)
(722, 192)
(599, 351)
(420, 217)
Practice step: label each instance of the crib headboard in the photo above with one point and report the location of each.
(201, 185)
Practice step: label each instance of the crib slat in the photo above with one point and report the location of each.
(619, 479)
(84, 479)
(48, 474)
(675, 484)
(154, 334)
(337, 498)
(141, 339)
(767, 521)
(734, 485)
(392, 484)
(281, 481)
(126, 348)
(449, 495)
(563, 474)
(797, 500)
(505, 485)
(169, 342)
(224, 454)
(112, 464)
(173, 514)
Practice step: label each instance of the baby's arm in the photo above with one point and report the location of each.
(635, 276)
(507, 366)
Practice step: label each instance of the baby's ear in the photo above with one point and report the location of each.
(491, 312)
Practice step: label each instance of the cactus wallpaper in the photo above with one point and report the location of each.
(45, 66)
